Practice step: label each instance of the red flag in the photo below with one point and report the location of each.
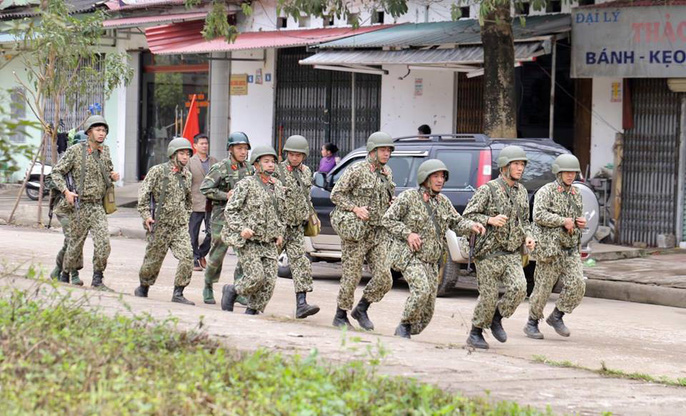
(192, 127)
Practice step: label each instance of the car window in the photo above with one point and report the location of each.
(538, 171)
(403, 168)
(345, 166)
(462, 165)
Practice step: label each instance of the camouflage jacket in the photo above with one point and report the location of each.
(297, 183)
(495, 198)
(409, 214)
(552, 204)
(98, 164)
(223, 177)
(257, 206)
(363, 186)
(178, 202)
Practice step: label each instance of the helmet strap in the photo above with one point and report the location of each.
(425, 188)
(373, 158)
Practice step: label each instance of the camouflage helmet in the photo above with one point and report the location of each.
(566, 162)
(95, 120)
(262, 151)
(297, 144)
(429, 167)
(379, 139)
(511, 154)
(237, 137)
(178, 143)
(79, 137)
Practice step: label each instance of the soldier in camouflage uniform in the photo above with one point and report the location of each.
(218, 186)
(418, 221)
(297, 180)
(502, 206)
(64, 212)
(362, 196)
(92, 170)
(254, 227)
(168, 187)
(558, 223)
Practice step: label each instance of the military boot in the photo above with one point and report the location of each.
(341, 319)
(208, 294)
(228, 297)
(476, 338)
(251, 311)
(98, 284)
(360, 314)
(403, 330)
(55, 273)
(142, 291)
(555, 320)
(302, 309)
(497, 327)
(179, 298)
(531, 329)
(64, 277)
(75, 278)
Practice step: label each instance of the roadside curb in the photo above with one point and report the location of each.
(636, 292)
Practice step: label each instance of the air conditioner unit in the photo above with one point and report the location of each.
(677, 84)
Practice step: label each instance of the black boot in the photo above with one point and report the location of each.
(98, 284)
(476, 338)
(251, 311)
(178, 296)
(497, 327)
(531, 329)
(555, 320)
(403, 330)
(302, 309)
(228, 297)
(360, 314)
(341, 319)
(64, 277)
(142, 291)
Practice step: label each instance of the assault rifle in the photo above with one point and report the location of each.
(71, 186)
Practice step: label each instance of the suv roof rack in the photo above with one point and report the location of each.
(448, 137)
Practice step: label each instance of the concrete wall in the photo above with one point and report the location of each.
(606, 122)
(402, 111)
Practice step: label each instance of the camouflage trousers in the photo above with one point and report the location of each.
(260, 266)
(301, 268)
(65, 221)
(419, 306)
(215, 258)
(373, 247)
(91, 218)
(167, 237)
(567, 268)
(490, 274)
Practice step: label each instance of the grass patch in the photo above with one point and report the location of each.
(59, 358)
(609, 372)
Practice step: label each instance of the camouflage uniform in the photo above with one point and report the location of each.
(497, 253)
(255, 205)
(221, 179)
(409, 214)
(297, 183)
(90, 217)
(557, 252)
(363, 185)
(171, 222)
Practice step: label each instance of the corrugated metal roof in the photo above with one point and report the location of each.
(140, 4)
(74, 6)
(152, 20)
(466, 55)
(454, 32)
(633, 3)
(185, 38)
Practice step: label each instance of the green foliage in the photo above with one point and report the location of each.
(217, 24)
(58, 358)
(169, 89)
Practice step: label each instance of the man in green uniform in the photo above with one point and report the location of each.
(297, 180)
(218, 186)
(168, 187)
(502, 206)
(362, 196)
(254, 227)
(558, 223)
(92, 170)
(418, 221)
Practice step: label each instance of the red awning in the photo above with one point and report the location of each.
(147, 20)
(185, 38)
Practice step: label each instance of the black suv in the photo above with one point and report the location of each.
(471, 159)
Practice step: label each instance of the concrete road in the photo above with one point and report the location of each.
(625, 336)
